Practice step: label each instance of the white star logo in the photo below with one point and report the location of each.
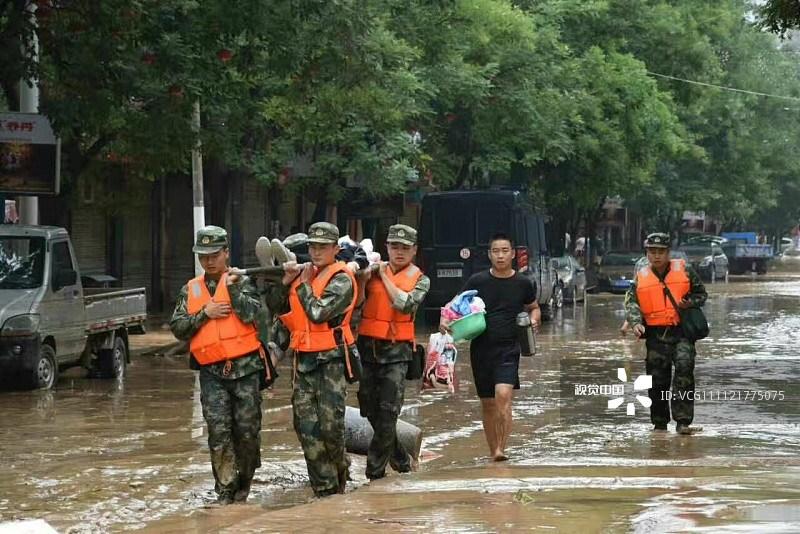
(642, 382)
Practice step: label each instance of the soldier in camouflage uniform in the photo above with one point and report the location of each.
(385, 350)
(666, 344)
(320, 387)
(274, 330)
(229, 389)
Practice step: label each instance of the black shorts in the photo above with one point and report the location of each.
(492, 364)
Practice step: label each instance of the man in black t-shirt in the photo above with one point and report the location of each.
(495, 353)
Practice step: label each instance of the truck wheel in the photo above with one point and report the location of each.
(547, 309)
(112, 363)
(569, 294)
(45, 372)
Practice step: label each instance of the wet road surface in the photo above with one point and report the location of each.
(96, 456)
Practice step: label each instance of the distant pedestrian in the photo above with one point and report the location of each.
(580, 246)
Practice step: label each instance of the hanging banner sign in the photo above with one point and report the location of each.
(30, 155)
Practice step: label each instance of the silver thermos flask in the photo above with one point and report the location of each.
(527, 339)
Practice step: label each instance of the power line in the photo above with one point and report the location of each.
(724, 88)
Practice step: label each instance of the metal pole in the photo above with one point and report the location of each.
(198, 210)
(29, 103)
(713, 266)
(585, 306)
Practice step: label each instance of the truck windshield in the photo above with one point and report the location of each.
(21, 262)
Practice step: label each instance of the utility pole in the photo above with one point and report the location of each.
(29, 103)
(198, 210)
(199, 216)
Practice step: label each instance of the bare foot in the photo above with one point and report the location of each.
(499, 457)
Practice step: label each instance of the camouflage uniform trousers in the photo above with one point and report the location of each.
(380, 398)
(232, 410)
(664, 353)
(318, 402)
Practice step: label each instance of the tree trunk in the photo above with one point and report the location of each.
(216, 184)
(321, 207)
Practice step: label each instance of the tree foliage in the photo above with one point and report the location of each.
(781, 16)
(575, 100)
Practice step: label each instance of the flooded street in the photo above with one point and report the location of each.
(97, 456)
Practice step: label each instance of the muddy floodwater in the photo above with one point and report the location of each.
(101, 456)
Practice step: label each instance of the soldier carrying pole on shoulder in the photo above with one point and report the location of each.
(320, 297)
(216, 313)
(393, 292)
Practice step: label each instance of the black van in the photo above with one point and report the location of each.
(454, 233)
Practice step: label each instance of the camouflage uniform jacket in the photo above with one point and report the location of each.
(384, 351)
(697, 295)
(329, 307)
(246, 305)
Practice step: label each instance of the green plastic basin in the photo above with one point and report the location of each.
(468, 327)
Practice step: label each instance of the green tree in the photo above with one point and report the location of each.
(119, 79)
(780, 16)
(730, 165)
(496, 108)
(344, 97)
(575, 100)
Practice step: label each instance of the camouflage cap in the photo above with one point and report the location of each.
(210, 240)
(323, 232)
(657, 240)
(402, 233)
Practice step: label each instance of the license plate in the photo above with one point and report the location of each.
(622, 283)
(448, 273)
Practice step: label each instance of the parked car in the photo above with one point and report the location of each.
(454, 233)
(707, 260)
(49, 321)
(615, 272)
(703, 239)
(571, 276)
(790, 256)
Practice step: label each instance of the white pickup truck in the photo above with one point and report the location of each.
(48, 321)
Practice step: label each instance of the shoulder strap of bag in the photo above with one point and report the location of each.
(668, 293)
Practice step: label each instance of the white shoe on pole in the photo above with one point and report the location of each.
(264, 252)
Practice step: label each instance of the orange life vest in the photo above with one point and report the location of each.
(307, 336)
(221, 339)
(378, 318)
(657, 309)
